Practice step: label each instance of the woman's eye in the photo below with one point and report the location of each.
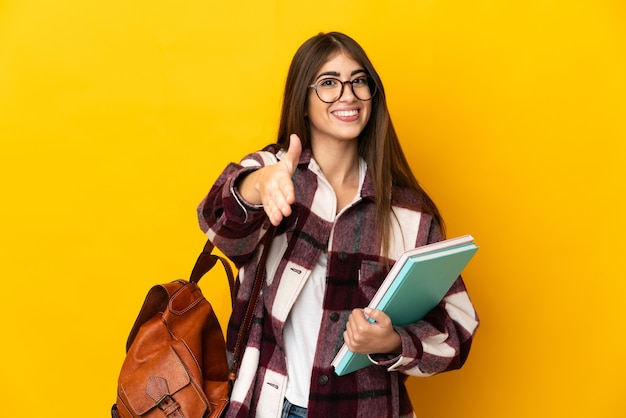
(360, 81)
(329, 82)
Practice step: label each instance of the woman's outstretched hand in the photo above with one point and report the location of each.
(272, 186)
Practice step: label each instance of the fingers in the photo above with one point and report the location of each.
(293, 153)
(376, 316)
(275, 185)
(355, 335)
(363, 336)
(277, 202)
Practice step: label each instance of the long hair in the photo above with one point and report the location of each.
(378, 143)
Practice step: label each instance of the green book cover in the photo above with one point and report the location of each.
(417, 282)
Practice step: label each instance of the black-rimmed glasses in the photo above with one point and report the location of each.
(330, 89)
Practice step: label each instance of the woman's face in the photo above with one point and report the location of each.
(346, 118)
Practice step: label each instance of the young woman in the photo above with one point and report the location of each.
(346, 205)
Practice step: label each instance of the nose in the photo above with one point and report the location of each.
(351, 96)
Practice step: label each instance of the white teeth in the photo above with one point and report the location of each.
(346, 113)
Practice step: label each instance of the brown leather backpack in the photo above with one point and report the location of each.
(175, 363)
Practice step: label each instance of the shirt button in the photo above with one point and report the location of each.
(323, 379)
(334, 317)
(342, 256)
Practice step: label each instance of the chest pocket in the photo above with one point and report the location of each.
(371, 276)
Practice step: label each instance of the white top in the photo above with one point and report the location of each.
(303, 324)
(301, 332)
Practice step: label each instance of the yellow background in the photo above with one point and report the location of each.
(116, 117)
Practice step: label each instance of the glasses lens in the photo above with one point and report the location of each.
(329, 89)
(363, 87)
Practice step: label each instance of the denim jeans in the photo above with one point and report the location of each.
(293, 411)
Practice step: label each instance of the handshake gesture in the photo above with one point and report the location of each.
(272, 186)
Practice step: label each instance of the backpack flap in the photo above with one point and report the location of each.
(157, 384)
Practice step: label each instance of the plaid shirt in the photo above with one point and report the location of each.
(438, 343)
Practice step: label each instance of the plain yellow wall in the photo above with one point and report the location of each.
(116, 116)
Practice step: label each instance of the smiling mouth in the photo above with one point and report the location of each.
(346, 113)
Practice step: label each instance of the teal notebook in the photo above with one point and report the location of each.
(416, 283)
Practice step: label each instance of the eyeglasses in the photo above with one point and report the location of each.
(330, 89)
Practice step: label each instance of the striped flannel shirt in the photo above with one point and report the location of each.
(438, 343)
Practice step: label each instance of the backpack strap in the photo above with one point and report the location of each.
(206, 261)
(247, 320)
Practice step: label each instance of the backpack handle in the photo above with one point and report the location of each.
(206, 261)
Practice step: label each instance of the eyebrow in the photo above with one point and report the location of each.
(336, 74)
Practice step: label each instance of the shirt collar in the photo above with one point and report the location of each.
(367, 188)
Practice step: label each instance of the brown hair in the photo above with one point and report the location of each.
(378, 143)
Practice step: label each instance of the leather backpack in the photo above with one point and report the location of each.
(175, 363)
